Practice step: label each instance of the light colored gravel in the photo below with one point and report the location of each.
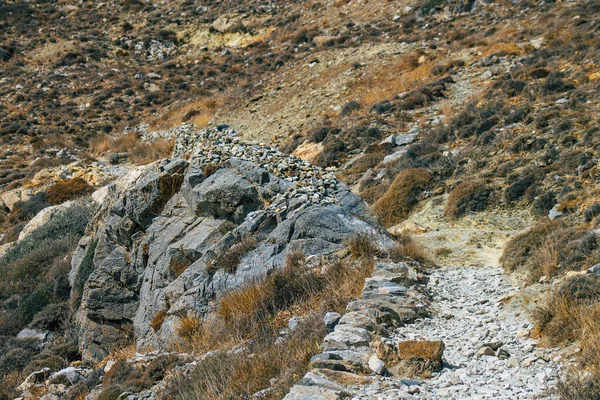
(467, 313)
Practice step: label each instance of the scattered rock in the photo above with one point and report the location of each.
(376, 365)
(331, 319)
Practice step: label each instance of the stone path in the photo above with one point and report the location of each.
(467, 314)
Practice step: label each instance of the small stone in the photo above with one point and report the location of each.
(502, 354)
(512, 362)
(376, 365)
(485, 351)
(294, 322)
(331, 319)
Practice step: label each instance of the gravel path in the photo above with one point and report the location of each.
(467, 314)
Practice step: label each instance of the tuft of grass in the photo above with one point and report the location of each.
(571, 314)
(255, 315)
(407, 248)
(188, 327)
(362, 246)
(67, 190)
(230, 258)
(228, 375)
(138, 151)
(579, 386)
(402, 196)
(549, 248)
(158, 320)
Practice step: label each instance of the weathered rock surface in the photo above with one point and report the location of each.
(350, 351)
(150, 245)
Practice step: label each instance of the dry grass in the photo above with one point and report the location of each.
(119, 353)
(8, 384)
(67, 190)
(571, 314)
(403, 75)
(402, 196)
(237, 376)
(412, 358)
(189, 327)
(158, 320)
(550, 248)
(467, 197)
(139, 152)
(254, 315)
(198, 112)
(519, 250)
(407, 248)
(230, 258)
(362, 246)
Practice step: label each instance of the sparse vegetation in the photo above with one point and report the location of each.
(256, 313)
(402, 196)
(467, 197)
(548, 249)
(572, 314)
(230, 258)
(67, 190)
(407, 248)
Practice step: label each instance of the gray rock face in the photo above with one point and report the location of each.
(151, 245)
(224, 194)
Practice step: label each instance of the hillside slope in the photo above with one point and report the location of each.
(137, 231)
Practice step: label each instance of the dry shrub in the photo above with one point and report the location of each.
(407, 248)
(124, 376)
(467, 197)
(139, 152)
(374, 191)
(362, 246)
(230, 258)
(67, 190)
(198, 112)
(518, 251)
(372, 157)
(189, 327)
(579, 386)
(549, 248)
(295, 258)
(8, 385)
(402, 196)
(254, 316)
(158, 320)
(236, 376)
(572, 314)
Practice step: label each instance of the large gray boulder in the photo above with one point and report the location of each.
(225, 194)
(148, 259)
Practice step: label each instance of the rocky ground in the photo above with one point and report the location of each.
(488, 354)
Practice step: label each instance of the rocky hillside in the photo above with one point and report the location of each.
(353, 198)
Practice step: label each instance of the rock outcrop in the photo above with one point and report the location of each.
(152, 247)
(390, 299)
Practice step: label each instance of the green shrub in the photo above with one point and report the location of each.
(14, 360)
(33, 304)
(34, 267)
